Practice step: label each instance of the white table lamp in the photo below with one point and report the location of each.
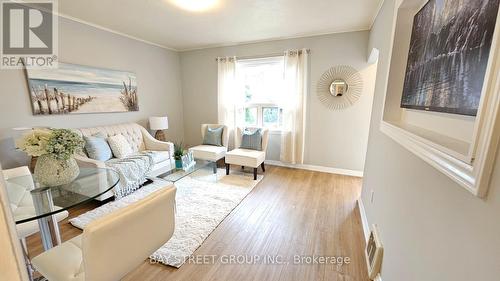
(159, 124)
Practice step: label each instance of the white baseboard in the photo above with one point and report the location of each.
(364, 219)
(330, 170)
(366, 227)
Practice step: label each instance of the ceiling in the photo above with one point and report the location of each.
(230, 22)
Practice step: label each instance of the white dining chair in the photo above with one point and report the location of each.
(21, 202)
(115, 244)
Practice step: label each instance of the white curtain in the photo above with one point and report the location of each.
(294, 108)
(226, 94)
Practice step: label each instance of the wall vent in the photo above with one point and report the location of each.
(374, 253)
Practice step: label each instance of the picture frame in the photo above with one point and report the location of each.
(80, 89)
(449, 77)
(462, 147)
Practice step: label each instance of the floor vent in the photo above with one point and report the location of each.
(374, 253)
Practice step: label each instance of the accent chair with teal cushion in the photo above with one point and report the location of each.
(251, 149)
(215, 142)
(213, 136)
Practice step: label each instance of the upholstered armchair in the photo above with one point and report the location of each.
(248, 157)
(211, 153)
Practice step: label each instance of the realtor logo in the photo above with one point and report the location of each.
(29, 33)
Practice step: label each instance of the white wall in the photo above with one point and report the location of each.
(335, 139)
(432, 229)
(158, 79)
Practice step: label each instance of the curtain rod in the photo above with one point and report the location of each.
(263, 56)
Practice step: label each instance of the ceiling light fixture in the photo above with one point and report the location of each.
(195, 5)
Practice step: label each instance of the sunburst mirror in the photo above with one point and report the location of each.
(340, 87)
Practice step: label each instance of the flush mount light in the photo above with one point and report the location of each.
(195, 5)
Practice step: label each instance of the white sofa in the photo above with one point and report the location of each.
(140, 140)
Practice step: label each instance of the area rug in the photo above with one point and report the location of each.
(201, 204)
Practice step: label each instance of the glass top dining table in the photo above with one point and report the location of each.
(48, 201)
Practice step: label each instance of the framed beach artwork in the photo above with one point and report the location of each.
(78, 89)
(449, 51)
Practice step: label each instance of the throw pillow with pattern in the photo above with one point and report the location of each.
(251, 139)
(120, 146)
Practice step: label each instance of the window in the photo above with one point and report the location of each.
(260, 85)
(251, 116)
(271, 116)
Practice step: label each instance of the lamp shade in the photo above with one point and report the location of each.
(158, 123)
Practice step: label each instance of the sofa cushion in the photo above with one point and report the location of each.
(245, 157)
(159, 156)
(120, 146)
(131, 131)
(208, 152)
(97, 147)
(213, 136)
(251, 139)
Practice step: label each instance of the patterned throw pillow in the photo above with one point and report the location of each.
(97, 147)
(120, 146)
(251, 139)
(213, 136)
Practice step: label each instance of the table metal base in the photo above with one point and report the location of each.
(42, 200)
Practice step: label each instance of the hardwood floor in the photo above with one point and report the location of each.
(291, 212)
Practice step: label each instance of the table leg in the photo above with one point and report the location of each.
(42, 200)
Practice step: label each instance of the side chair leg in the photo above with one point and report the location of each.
(254, 173)
(25, 247)
(215, 167)
(263, 167)
(227, 168)
(27, 261)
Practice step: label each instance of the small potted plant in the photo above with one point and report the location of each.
(178, 153)
(55, 149)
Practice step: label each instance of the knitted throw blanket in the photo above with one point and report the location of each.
(132, 171)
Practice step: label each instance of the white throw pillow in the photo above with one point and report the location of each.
(120, 146)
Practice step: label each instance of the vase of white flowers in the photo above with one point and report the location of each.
(55, 150)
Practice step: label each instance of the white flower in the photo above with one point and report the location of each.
(35, 142)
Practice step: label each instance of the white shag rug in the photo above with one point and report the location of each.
(202, 204)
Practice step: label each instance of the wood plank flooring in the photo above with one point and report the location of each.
(290, 213)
